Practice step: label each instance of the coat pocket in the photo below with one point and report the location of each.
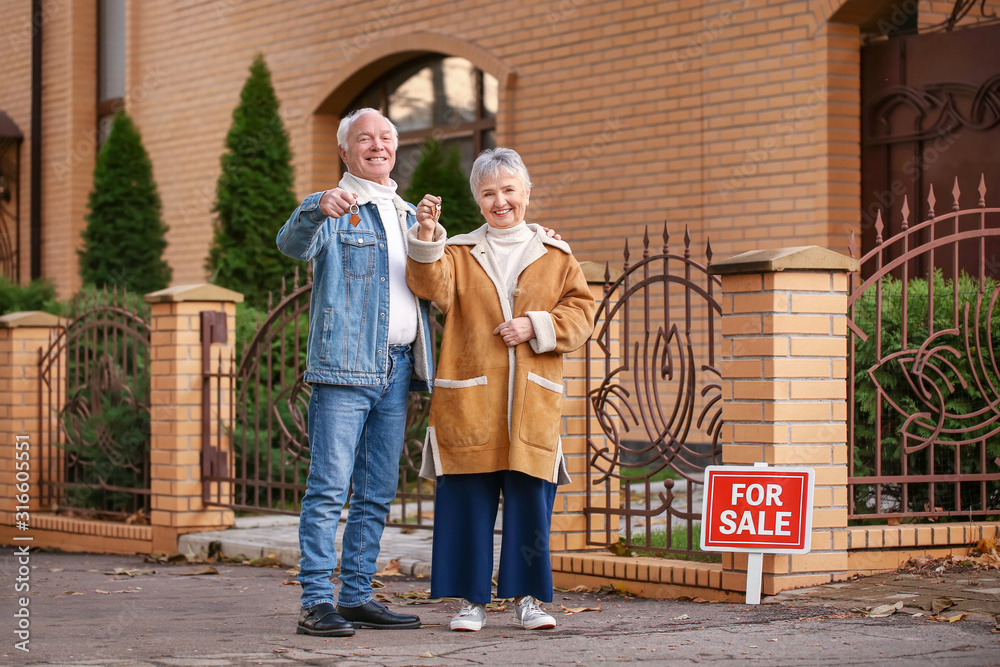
(541, 412)
(460, 412)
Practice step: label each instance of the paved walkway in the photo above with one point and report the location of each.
(121, 611)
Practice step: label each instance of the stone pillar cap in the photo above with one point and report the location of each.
(199, 292)
(803, 258)
(30, 318)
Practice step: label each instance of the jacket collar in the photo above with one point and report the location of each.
(352, 183)
(478, 236)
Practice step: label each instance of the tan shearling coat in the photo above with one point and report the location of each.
(494, 407)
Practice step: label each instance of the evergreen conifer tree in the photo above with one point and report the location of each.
(439, 172)
(124, 239)
(254, 195)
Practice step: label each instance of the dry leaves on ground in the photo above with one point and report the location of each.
(390, 570)
(577, 610)
(130, 572)
(881, 610)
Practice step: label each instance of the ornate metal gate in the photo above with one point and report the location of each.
(93, 418)
(924, 380)
(269, 426)
(656, 345)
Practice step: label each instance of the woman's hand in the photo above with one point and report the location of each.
(516, 331)
(428, 212)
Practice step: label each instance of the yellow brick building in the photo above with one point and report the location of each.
(736, 118)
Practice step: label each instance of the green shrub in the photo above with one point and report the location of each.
(254, 195)
(439, 172)
(952, 373)
(40, 294)
(125, 237)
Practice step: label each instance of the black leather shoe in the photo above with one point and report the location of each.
(323, 620)
(374, 615)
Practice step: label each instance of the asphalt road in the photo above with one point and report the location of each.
(87, 610)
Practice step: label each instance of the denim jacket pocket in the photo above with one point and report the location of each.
(544, 397)
(460, 412)
(358, 253)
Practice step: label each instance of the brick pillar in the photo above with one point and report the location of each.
(784, 368)
(176, 505)
(22, 335)
(569, 524)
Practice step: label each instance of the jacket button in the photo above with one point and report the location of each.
(516, 292)
(382, 278)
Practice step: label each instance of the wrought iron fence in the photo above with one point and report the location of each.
(264, 466)
(93, 415)
(658, 405)
(923, 380)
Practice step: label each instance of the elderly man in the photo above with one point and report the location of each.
(369, 346)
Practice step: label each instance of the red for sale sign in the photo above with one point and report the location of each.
(768, 510)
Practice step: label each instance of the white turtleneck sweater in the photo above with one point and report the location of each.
(508, 246)
(402, 305)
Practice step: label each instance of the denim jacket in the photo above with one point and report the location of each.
(349, 306)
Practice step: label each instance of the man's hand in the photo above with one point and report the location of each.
(516, 331)
(337, 202)
(551, 233)
(428, 212)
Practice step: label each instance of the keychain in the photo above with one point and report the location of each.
(355, 218)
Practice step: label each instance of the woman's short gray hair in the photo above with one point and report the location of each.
(348, 120)
(495, 161)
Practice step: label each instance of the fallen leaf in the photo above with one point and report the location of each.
(682, 617)
(958, 617)
(881, 610)
(941, 603)
(282, 650)
(579, 589)
(56, 569)
(127, 590)
(211, 569)
(391, 570)
(419, 594)
(290, 582)
(426, 655)
(130, 572)
(577, 610)
(72, 593)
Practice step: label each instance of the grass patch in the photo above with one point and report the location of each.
(658, 539)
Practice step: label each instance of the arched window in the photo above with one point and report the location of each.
(437, 96)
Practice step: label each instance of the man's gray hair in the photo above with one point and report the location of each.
(495, 161)
(348, 120)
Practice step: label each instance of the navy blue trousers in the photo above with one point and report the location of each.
(465, 510)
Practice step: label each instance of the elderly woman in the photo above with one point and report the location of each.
(516, 301)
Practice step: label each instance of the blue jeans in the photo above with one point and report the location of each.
(355, 436)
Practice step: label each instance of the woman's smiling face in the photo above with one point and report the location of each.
(502, 199)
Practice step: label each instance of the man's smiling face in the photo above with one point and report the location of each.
(371, 151)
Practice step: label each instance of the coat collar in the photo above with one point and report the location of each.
(352, 183)
(478, 236)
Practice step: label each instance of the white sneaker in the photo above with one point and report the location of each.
(529, 615)
(470, 618)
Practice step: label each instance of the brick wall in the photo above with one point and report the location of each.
(734, 117)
